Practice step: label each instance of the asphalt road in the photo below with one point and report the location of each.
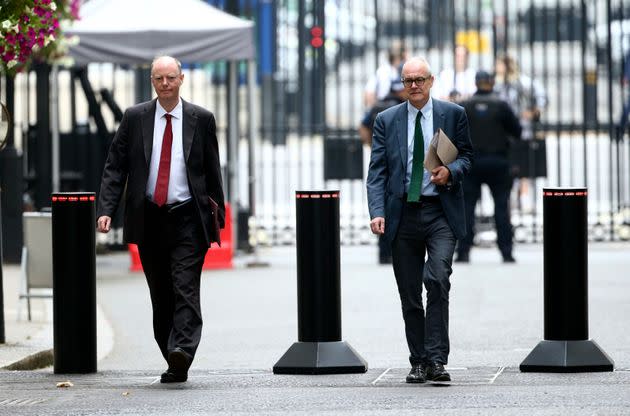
(250, 321)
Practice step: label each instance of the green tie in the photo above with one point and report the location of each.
(417, 170)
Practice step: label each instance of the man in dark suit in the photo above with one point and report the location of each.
(165, 158)
(420, 212)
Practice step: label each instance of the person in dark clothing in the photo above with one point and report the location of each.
(623, 121)
(395, 96)
(492, 123)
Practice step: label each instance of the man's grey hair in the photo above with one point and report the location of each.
(420, 59)
(157, 58)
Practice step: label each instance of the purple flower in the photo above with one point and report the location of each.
(74, 8)
(10, 38)
(25, 19)
(38, 10)
(8, 56)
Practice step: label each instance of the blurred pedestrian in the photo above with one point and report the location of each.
(420, 212)
(378, 85)
(527, 98)
(623, 121)
(458, 83)
(492, 125)
(396, 96)
(165, 159)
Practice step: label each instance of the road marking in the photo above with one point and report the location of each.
(381, 376)
(496, 375)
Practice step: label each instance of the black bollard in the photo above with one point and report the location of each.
(566, 347)
(2, 334)
(319, 349)
(74, 282)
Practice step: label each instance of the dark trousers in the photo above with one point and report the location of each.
(172, 256)
(424, 230)
(493, 170)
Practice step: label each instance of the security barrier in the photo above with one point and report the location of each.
(319, 349)
(566, 347)
(74, 282)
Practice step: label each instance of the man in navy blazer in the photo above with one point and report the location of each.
(165, 160)
(420, 212)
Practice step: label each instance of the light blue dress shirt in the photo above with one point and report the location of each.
(428, 188)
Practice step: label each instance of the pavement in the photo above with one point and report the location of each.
(250, 321)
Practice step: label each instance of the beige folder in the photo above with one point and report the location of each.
(441, 151)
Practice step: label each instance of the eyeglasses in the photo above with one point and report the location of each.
(408, 82)
(170, 78)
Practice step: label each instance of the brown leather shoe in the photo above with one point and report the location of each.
(416, 375)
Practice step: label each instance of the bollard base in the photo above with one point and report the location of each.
(567, 357)
(320, 358)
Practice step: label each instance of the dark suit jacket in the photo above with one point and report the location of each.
(127, 167)
(388, 165)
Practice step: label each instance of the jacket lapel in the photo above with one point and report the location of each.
(188, 126)
(147, 121)
(401, 132)
(438, 116)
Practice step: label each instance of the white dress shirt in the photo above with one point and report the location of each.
(177, 181)
(428, 188)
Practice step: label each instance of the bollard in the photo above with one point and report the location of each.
(319, 349)
(2, 334)
(566, 347)
(74, 282)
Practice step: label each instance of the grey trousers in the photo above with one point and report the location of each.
(424, 230)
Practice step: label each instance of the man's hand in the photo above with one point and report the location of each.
(103, 224)
(378, 225)
(440, 175)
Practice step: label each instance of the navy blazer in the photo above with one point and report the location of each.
(127, 168)
(388, 165)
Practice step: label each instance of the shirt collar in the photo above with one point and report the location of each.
(426, 110)
(176, 112)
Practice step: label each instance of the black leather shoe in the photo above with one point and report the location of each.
(178, 360)
(462, 258)
(169, 377)
(178, 363)
(436, 372)
(509, 259)
(416, 375)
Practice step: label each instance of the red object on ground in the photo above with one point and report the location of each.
(216, 257)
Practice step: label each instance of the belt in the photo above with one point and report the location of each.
(170, 208)
(430, 199)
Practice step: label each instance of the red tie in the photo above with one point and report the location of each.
(161, 185)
